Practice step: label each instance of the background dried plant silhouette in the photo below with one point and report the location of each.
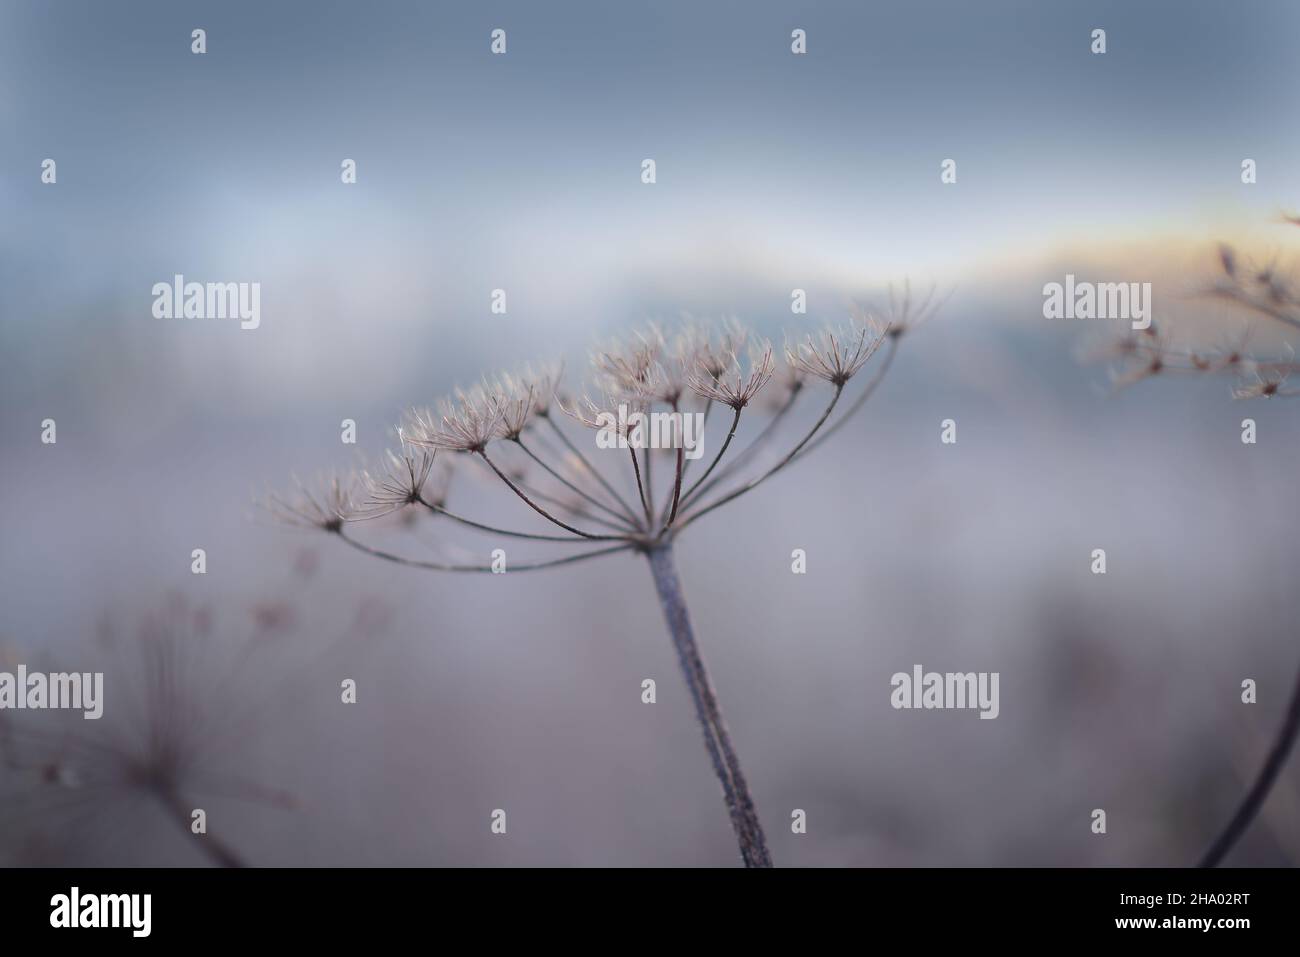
(605, 501)
(1262, 289)
(185, 694)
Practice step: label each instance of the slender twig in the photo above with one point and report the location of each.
(439, 510)
(649, 486)
(677, 478)
(750, 486)
(735, 421)
(1263, 783)
(860, 401)
(448, 567)
(677, 489)
(745, 454)
(704, 425)
(575, 510)
(537, 508)
(565, 482)
(649, 522)
(572, 509)
(604, 482)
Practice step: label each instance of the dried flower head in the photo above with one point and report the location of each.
(628, 365)
(837, 355)
(466, 423)
(697, 350)
(786, 383)
(904, 314)
(328, 503)
(543, 379)
(638, 388)
(735, 387)
(186, 699)
(1266, 386)
(406, 478)
(515, 397)
(609, 411)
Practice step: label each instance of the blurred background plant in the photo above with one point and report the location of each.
(1259, 289)
(189, 700)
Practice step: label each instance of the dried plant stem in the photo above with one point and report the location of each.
(537, 508)
(704, 426)
(1255, 797)
(735, 790)
(180, 812)
(649, 488)
(735, 421)
(575, 510)
(470, 523)
(645, 504)
(447, 567)
(677, 489)
(860, 401)
(591, 470)
(565, 482)
(747, 452)
(789, 457)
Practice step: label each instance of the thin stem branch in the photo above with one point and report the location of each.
(649, 522)
(671, 512)
(439, 510)
(1263, 783)
(748, 451)
(565, 482)
(649, 485)
(677, 489)
(861, 400)
(449, 567)
(537, 508)
(750, 486)
(704, 425)
(592, 469)
(735, 421)
(717, 740)
(559, 503)
(576, 511)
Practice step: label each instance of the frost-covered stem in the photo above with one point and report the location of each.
(735, 791)
(1255, 797)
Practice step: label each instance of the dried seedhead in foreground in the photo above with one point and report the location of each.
(593, 499)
